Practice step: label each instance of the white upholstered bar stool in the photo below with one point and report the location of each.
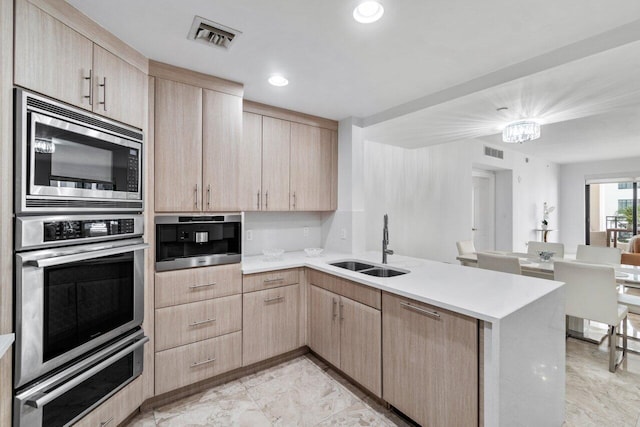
(591, 294)
(598, 254)
(496, 262)
(534, 247)
(466, 247)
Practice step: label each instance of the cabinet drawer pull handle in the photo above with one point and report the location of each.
(104, 423)
(202, 286)
(204, 362)
(202, 322)
(195, 195)
(335, 306)
(266, 200)
(420, 310)
(280, 298)
(90, 96)
(277, 279)
(258, 201)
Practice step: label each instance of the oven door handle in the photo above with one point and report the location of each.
(66, 259)
(43, 398)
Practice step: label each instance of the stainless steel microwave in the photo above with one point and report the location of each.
(70, 160)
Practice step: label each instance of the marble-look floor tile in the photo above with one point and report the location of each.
(303, 399)
(286, 369)
(355, 415)
(227, 410)
(143, 419)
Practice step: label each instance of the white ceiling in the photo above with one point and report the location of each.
(428, 72)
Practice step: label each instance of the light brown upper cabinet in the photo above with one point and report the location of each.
(198, 149)
(276, 142)
(266, 166)
(53, 59)
(311, 168)
(299, 163)
(222, 150)
(178, 147)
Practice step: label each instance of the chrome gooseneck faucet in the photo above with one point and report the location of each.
(385, 240)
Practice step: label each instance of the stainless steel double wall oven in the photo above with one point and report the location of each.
(79, 260)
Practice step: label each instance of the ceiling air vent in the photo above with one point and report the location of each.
(493, 152)
(212, 34)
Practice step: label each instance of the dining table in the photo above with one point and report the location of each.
(534, 266)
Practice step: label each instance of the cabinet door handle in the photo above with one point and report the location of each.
(266, 200)
(204, 362)
(201, 286)
(90, 96)
(104, 93)
(258, 201)
(202, 322)
(294, 200)
(420, 310)
(277, 279)
(279, 298)
(208, 196)
(341, 311)
(334, 307)
(195, 196)
(104, 423)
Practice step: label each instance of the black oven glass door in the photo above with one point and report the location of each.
(66, 396)
(85, 299)
(73, 161)
(71, 300)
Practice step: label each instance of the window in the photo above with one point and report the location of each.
(625, 203)
(625, 185)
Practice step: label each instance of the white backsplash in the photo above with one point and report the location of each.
(284, 230)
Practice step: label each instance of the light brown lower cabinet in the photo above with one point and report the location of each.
(117, 408)
(188, 364)
(187, 323)
(430, 355)
(270, 323)
(347, 334)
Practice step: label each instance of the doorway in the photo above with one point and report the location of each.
(611, 212)
(483, 213)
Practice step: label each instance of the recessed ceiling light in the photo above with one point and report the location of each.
(278, 80)
(368, 12)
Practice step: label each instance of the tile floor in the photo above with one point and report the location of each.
(305, 392)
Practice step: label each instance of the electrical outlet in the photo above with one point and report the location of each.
(249, 234)
(305, 231)
(343, 234)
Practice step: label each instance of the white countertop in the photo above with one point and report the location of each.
(483, 294)
(5, 343)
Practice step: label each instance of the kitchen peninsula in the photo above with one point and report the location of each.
(521, 346)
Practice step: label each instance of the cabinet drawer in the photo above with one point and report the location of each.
(195, 362)
(117, 408)
(260, 281)
(197, 284)
(197, 321)
(270, 323)
(355, 291)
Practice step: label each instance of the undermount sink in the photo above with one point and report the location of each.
(353, 265)
(370, 269)
(384, 272)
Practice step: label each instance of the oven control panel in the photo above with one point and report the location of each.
(66, 230)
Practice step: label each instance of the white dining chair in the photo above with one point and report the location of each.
(496, 262)
(534, 247)
(591, 294)
(599, 254)
(466, 247)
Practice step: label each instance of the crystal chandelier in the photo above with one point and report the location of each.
(521, 131)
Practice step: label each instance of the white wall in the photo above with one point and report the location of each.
(284, 230)
(427, 194)
(572, 181)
